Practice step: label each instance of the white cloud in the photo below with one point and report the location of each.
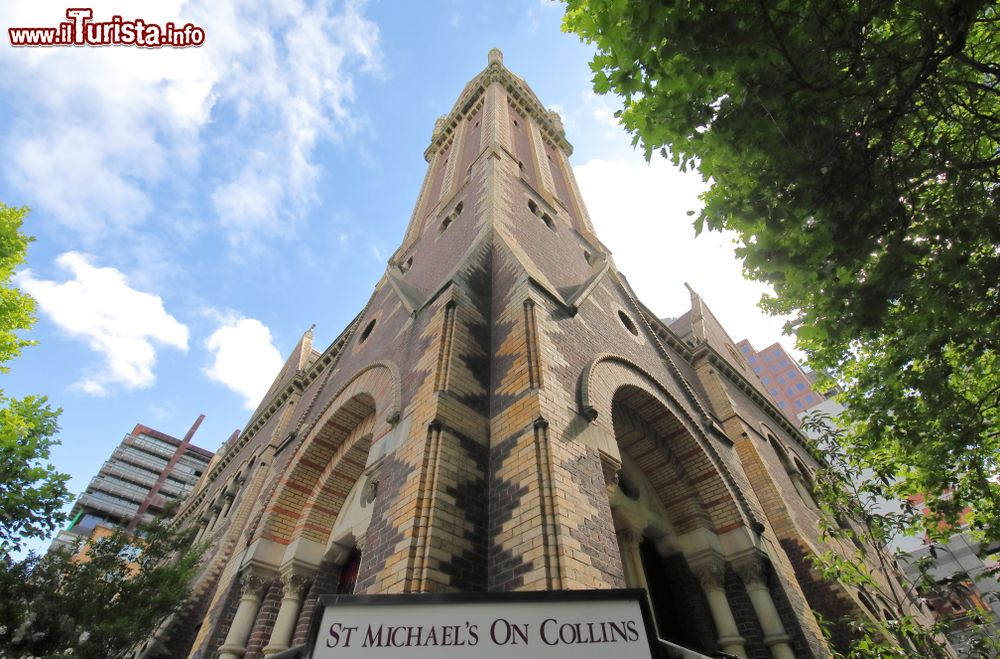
(97, 130)
(639, 211)
(122, 324)
(244, 357)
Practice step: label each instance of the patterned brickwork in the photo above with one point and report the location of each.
(325, 581)
(829, 599)
(265, 621)
(473, 347)
(655, 453)
(500, 377)
(324, 502)
(383, 534)
(308, 498)
(595, 531)
(506, 567)
(746, 619)
(462, 478)
(692, 611)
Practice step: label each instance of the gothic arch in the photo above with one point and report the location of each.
(650, 450)
(610, 381)
(380, 379)
(330, 491)
(307, 498)
(685, 481)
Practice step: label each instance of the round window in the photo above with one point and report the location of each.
(366, 332)
(627, 322)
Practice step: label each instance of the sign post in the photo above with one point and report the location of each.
(545, 624)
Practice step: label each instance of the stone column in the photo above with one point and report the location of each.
(753, 572)
(216, 512)
(201, 531)
(206, 523)
(227, 507)
(293, 584)
(711, 573)
(628, 543)
(252, 587)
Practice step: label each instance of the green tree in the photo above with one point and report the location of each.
(856, 509)
(31, 490)
(17, 309)
(854, 148)
(100, 607)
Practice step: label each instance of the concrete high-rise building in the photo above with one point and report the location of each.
(505, 415)
(145, 473)
(783, 378)
(968, 584)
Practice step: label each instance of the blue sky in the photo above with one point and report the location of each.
(196, 210)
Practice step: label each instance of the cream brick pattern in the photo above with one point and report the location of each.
(494, 406)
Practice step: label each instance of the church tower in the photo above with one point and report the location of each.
(505, 415)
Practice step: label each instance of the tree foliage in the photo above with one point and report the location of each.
(17, 309)
(99, 607)
(31, 490)
(860, 514)
(854, 148)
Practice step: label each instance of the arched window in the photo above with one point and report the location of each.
(797, 472)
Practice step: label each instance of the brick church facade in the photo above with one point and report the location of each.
(505, 415)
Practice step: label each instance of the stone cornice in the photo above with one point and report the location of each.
(665, 334)
(766, 405)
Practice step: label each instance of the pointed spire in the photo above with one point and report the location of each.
(698, 329)
(303, 349)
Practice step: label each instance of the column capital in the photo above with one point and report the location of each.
(710, 572)
(254, 583)
(752, 570)
(295, 581)
(630, 536)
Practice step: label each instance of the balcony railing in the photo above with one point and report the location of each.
(139, 458)
(107, 506)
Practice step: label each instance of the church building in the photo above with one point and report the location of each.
(505, 415)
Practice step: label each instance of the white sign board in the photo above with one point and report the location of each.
(548, 625)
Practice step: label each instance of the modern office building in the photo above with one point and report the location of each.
(147, 472)
(965, 571)
(505, 415)
(783, 378)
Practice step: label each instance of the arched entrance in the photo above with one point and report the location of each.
(327, 488)
(660, 519)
